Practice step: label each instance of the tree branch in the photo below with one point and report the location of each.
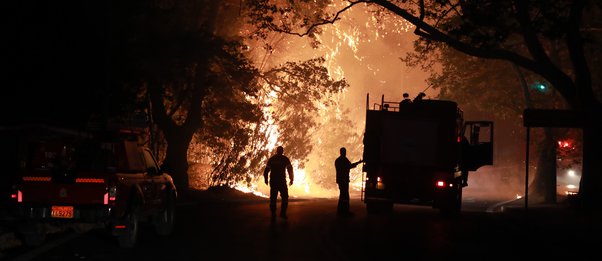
(429, 32)
(323, 22)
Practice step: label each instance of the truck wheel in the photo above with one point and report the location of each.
(33, 234)
(453, 206)
(164, 220)
(130, 236)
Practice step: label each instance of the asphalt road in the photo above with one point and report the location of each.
(243, 230)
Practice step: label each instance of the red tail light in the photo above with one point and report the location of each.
(110, 195)
(443, 184)
(17, 195)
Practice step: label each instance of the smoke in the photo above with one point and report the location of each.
(366, 52)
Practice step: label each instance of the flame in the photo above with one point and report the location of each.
(358, 35)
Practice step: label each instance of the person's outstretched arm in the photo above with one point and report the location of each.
(355, 163)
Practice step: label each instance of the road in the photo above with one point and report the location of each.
(243, 230)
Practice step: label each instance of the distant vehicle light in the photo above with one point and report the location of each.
(440, 183)
(571, 173)
(379, 183)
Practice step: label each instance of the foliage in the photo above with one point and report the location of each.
(275, 16)
(335, 131)
(292, 93)
(551, 39)
(203, 89)
(302, 89)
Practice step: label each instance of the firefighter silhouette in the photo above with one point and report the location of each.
(419, 97)
(277, 167)
(406, 99)
(343, 166)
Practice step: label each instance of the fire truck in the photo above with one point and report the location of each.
(420, 153)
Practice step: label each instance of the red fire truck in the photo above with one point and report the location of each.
(419, 152)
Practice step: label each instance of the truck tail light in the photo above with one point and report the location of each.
(17, 196)
(110, 195)
(443, 184)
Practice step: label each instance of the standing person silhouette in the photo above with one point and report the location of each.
(419, 97)
(276, 167)
(343, 166)
(406, 99)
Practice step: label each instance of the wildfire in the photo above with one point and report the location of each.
(350, 47)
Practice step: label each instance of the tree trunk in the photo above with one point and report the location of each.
(177, 137)
(590, 186)
(543, 187)
(176, 156)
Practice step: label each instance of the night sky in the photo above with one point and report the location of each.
(57, 61)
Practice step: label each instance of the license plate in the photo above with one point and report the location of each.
(61, 212)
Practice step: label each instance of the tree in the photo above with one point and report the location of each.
(172, 54)
(301, 88)
(335, 131)
(201, 87)
(483, 29)
(291, 96)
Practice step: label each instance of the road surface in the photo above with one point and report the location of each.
(243, 230)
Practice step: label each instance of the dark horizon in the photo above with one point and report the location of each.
(58, 61)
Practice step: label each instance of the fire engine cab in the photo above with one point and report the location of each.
(420, 153)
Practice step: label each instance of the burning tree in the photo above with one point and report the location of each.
(490, 30)
(194, 77)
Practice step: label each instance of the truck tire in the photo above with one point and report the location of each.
(165, 219)
(453, 206)
(130, 236)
